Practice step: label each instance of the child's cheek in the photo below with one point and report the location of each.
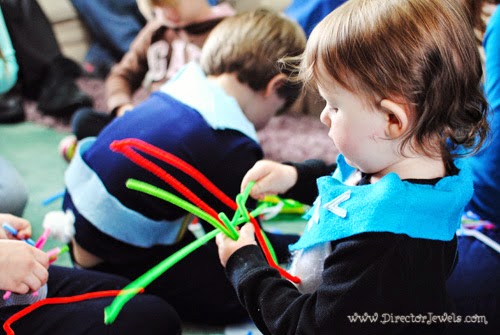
(344, 140)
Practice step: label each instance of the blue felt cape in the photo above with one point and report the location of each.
(390, 205)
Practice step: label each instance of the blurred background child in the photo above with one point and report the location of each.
(172, 37)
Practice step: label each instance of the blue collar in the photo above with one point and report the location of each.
(220, 110)
(390, 205)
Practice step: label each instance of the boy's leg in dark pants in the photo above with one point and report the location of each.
(87, 122)
(32, 37)
(144, 314)
(45, 74)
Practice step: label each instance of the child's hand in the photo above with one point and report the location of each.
(24, 268)
(227, 246)
(270, 178)
(21, 225)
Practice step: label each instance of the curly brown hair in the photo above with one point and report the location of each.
(416, 51)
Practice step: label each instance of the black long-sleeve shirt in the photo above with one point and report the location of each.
(394, 278)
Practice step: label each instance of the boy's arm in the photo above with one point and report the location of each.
(126, 76)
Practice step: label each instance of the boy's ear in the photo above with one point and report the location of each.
(397, 118)
(274, 84)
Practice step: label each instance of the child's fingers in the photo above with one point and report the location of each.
(16, 222)
(227, 246)
(42, 275)
(270, 178)
(21, 225)
(36, 279)
(259, 171)
(21, 288)
(31, 277)
(247, 231)
(33, 283)
(39, 274)
(41, 257)
(24, 233)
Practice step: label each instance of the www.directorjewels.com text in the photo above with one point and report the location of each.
(429, 318)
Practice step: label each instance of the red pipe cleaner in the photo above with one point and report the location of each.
(7, 326)
(126, 146)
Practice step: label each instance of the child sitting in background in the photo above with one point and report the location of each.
(173, 37)
(207, 115)
(401, 81)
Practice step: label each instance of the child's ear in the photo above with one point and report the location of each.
(397, 116)
(274, 84)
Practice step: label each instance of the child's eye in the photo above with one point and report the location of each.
(333, 109)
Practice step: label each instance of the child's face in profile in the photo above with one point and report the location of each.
(356, 127)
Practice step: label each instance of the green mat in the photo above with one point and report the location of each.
(33, 150)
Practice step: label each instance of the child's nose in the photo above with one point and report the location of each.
(324, 117)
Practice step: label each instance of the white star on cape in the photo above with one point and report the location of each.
(333, 206)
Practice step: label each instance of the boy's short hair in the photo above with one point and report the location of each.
(420, 51)
(250, 45)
